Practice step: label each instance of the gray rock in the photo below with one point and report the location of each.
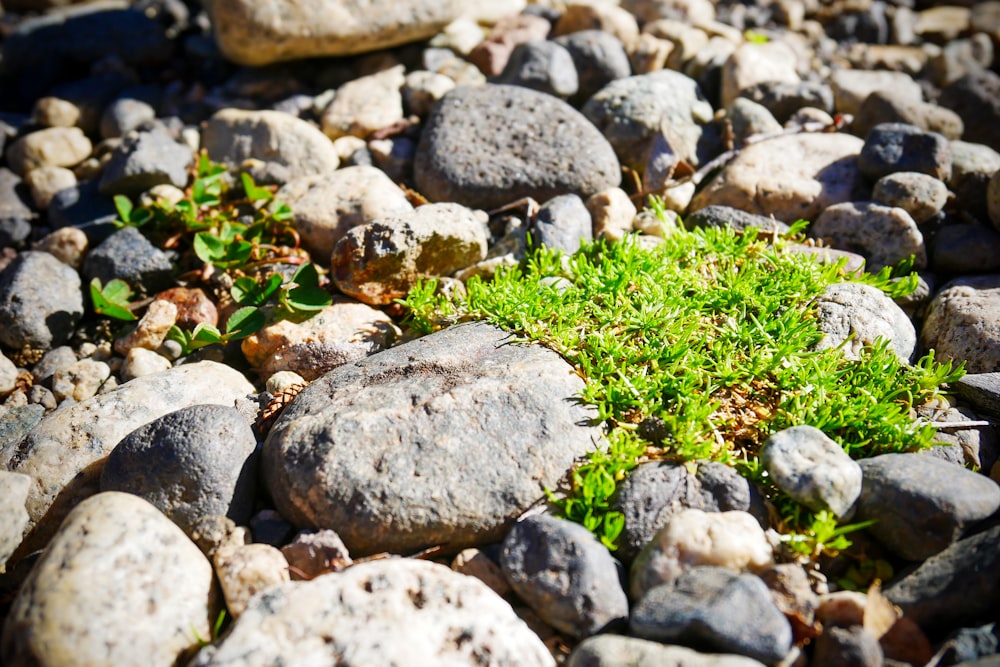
(124, 115)
(380, 261)
(541, 65)
(812, 469)
(784, 99)
(963, 323)
(40, 301)
(887, 106)
(883, 235)
(655, 491)
(863, 314)
(966, 248)
(727, 216)
(52, 361)
(716, 609)
(233, 136)
(920, 195)
(16, 422)
(921, 504)
(855, 646)
(129, 256)
(629, 112)
(892, 147)
(565, 574)
(981, 390)
(191, 463)
(976, 98)
(415, 447)
(953, 587)
(746, 118)
(244, 570)
(144, 160)
(851, 87)
(599, 58)
(84, 207)
(64, 453)
(116, 563)
(385, 612)
(14, 197)
(618, 651)
(972, 165)
(13, 516)
(563, 223)
(481, 147)
(313, 553)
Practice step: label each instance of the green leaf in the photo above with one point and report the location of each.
(204, 334)
(246, 292)
(306, 276)
(209, 247)
(306, 299)
(124, 207)
(253, 192)
(282, 212)
(244, 322)
(112, 300)
(271, 286)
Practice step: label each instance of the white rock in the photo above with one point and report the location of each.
(246, 569)
(282, 380)
(13, 516)
(140, 362)
(8, 376)
(152, 329)
(860, 314)
(80, 380)
(753, 63)
(365, 104)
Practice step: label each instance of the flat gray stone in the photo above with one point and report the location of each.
(40, 301)
(144, 160)
(981, 390)
(482, 146)
(412, 447)
(119, 584)
(385, 612)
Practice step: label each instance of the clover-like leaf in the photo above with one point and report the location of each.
(244, 322)
(112, 299)
(253, 191)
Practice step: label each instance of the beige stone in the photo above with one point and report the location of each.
(753, 63)
(247, 569)
(54, 146)
(851, 87)
(152, 328)
(612, 213)
(68, 245)
(365, 105)
(46, 181)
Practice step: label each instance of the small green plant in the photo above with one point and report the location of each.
(217, 628)
(822, 536)
(755, 37)
(112, 300)
(712, 334)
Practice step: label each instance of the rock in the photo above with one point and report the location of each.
(67, 244)
(563, 223)
(46, 181)
(651, 10)
(480, 147)
(920, 195)
(883, 235)
(313, 553)
(51, 111)
(541, 65)
(993, 199)
(405, 460)
(340, 333)
(848, 646)
(965, 248)
(124, 115)
(80, 380)
(565, 574)
(192, 304)
(747, 118)
(8, 376)
(691, 538)
(129, 256)
(851, 87)
(861, 314)
(40, 301)
(13, 518)
(151, 330)
(921, 504)
(976, 98)
(83, 207)
(52, 147)
(612, 213)
(380, 261)
(727, 216)
(885, 106)
(752, 63)
(629, 112)
(599, 58)
(140, 362)
(282, 381)
(191, 463)
(422, 90)
(789, 177)
(618, 651)
(249, 33)
(144, 160)
(325, 208)
(91, 94)
(475, 563)
(954, 586)
(65, 453)
(981, 390)
(115, 563)
(812, 469)
(604, 16)
(13, 198)
(366, 104)
(972, 166)
(714, 608)
(655, 491)
(393, 611)
(492, 53)
(246, 569)
(892, 147)
(784, 99)
(233, 136)
(963, 323)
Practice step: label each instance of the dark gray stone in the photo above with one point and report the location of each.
(921, 504)
(269, 527)
(565, 574)
(892, 147)
(413, 446)
(967, 644)
(145, 159)
(84, 207)
(868, 26)
(194, 462)
(715, 609)
(955, 587)
(966, 248)
(618, 651)
(563, 223)
(486, 146)
(847, 647)
(40, 301)
(783, 98)
(976, 98)
(128, 255)
(981, 390)
(543, 66)
(599, 57)
(629, 112)
(15, 423)
(53, 360)
(655, 491)
(727, 216)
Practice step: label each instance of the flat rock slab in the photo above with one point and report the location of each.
(485, 146)
(250, 32)
(441, 441)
